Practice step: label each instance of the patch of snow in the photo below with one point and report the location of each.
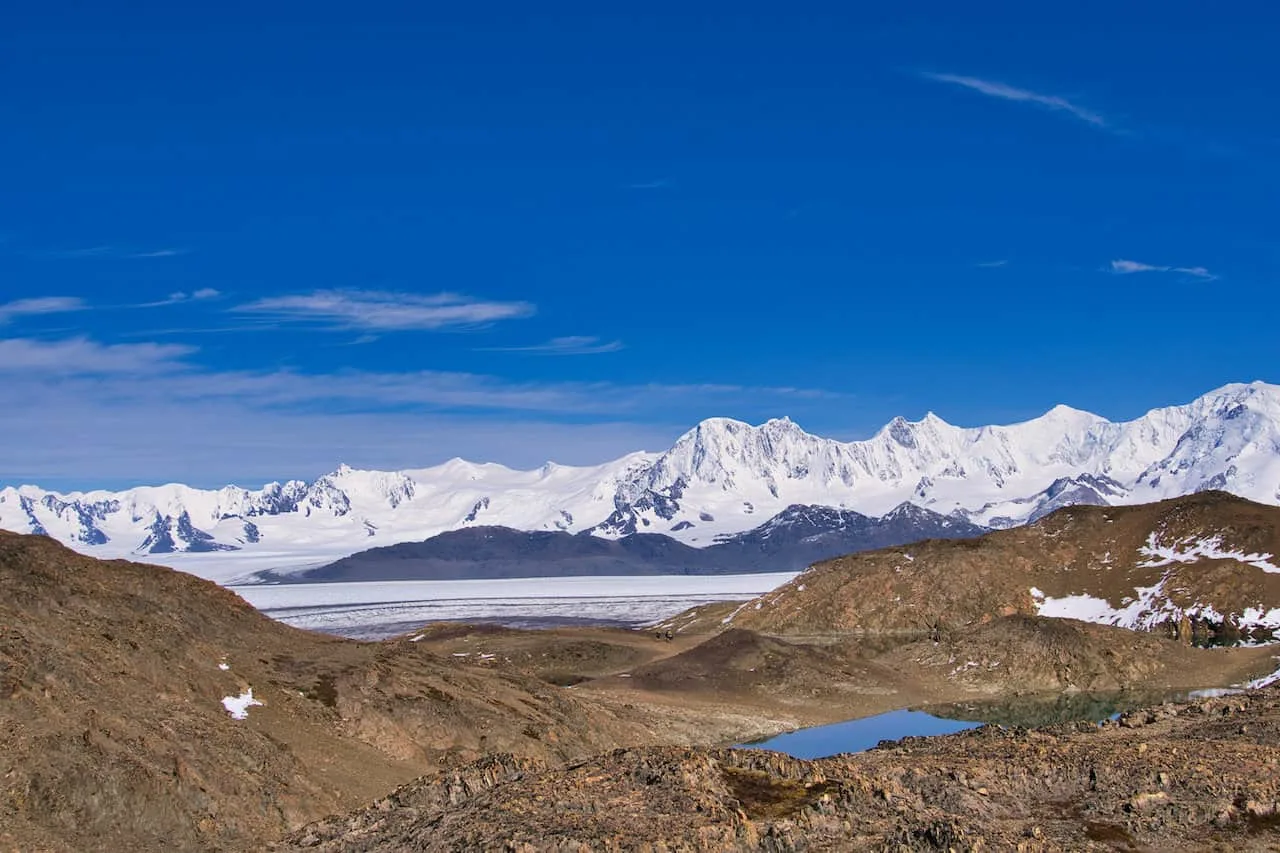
(1149, 608)
(238, 706)
(1213, 692)
(1256, 617)
(726, 620)
(1264, 681)
(1192, 550)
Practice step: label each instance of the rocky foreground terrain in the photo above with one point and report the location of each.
(115, 731)
(1199, 776)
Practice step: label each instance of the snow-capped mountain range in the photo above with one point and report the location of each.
(722, 477)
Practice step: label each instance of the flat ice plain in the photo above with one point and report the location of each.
(379, 609)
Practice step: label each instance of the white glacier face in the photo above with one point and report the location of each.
(721, 477)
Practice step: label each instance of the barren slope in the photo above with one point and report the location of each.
(1207, 557)
(113, 735)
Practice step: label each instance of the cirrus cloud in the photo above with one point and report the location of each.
(85, 357)
(81, 412)
(569, 345)
(40, 305)
(386, 311)
(1003, 91)
(1126, 267)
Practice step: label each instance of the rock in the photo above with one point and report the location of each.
(1257, 809)
(1143, 802)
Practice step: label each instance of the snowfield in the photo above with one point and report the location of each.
(385, 608)
(722, 477)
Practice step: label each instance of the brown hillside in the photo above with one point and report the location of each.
(1095, 551)
(113, 736)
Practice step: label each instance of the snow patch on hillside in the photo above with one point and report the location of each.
(1147, 609)
(1193, 549)
(238, 706)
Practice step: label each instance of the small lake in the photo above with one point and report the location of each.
(860, 735)
(1030, 711)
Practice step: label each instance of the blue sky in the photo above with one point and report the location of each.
(252, 242)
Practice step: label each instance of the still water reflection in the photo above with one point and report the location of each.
(1027, 711)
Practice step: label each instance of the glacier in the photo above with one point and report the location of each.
(720, 478)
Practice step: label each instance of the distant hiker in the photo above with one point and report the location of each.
(668, 634)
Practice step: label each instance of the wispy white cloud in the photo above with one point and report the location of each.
(108, 251)
(40, 305)
(386, 311)
(1125, 267)
(215, 444)
(1006, 92)
(158, 253)
(84, 357)
(141, 371)
(992, 264)
(571, 345)
(159, 414)
(177, 298)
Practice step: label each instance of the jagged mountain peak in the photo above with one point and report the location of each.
(1062, 411)
(720, 478)
(709, 428)
(812, 516)
(906, 509)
